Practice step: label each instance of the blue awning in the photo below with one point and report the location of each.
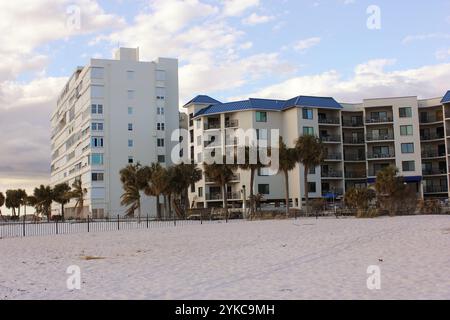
(406, 179)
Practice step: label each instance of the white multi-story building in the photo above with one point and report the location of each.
(112, 113)
(360, 139)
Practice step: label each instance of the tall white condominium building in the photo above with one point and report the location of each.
(361, 139)
(112, 113)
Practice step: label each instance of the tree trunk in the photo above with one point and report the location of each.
(286, 181)
(139, 211)
(169, 203)
(186, 201)
(225, 200)
(252, 197)
(158, 209)
(306, 188)
(62, 211)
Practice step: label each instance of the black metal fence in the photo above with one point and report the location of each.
(24, 228)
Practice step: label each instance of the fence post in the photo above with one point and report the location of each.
(56, 226)
(201, 218)
(147, 220)
(118, 222)
(24, 225)
(88, 222)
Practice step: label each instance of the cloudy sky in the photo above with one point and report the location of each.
(228, 49)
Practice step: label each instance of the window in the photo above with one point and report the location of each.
(407, 147)
(130, 127)
(160, 142)
(97, 109)
(408, 166)
(308, 131)
(100, 109)
(198, 123)
(97, 142)
(405, 112)
(130, 160)
(161, 158)
(97, 73)
(94, 109)
(261, 116)
(97, 176)
(97, 126)
(160, 75)
(263, 189)
(193, 187)
(97, 159)
(97, 91)
(160, 126)
(200, 191)
(160, 93)
(160, 110)
(406, 130)
(130, 110)
(312, 171)
(130, 94)
(130, 143)
(307, 114)
(130, 75)
(379, 115)
(312, 187)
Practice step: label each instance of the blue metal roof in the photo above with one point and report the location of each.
(308, 101)
(446, 98)
(203, 99)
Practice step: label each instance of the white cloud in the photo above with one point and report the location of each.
(368, 81)
(443, 54)
(238, 7)
(255, 19)
(422, 37)
(306, 44)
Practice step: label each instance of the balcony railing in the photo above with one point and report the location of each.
(336, 191)
(209, 126)
(384, 137)
(218, 196)
(387, 155)
(356, 175)
(432, 172)
(431, 119)
(352, 140)
(329, 121)
(232, 123)
(379, 120)
(354, 157)
(331, 138)
(435, 189)
(331, 174)
(333, 156)
(432, 154)
(353, 124)
(432, 136)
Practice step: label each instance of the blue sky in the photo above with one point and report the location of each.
(228, 49)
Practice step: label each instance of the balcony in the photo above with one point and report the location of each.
(432, 154)
(338, 192)
(354, 158)
(355, 175)
(330, 121)
(431, 119)
(331, 139)
(210, 126)
(232, 123)
(217, 196)
(432, 136)
(377, 137)
(434, 172)
(435, 189)
(379, 120)
(331, 174)
(376, 156)
(352, 140)
(235, 178)
(333, 157)
(352, 124)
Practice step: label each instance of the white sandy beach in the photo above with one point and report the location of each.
(303, 259)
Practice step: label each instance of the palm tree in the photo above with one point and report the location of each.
(221, 174)
(311, 153)
(78, 193)
(2, 202)
(158, 183)
(134, 179)
(22, 195)
(253, 167)
(61, 195)
(12, 201)
(44, 199)
(287, 162)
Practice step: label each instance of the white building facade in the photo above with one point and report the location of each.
(361, 139)
(112, 113)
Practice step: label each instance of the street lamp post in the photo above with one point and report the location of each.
(244, 202)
